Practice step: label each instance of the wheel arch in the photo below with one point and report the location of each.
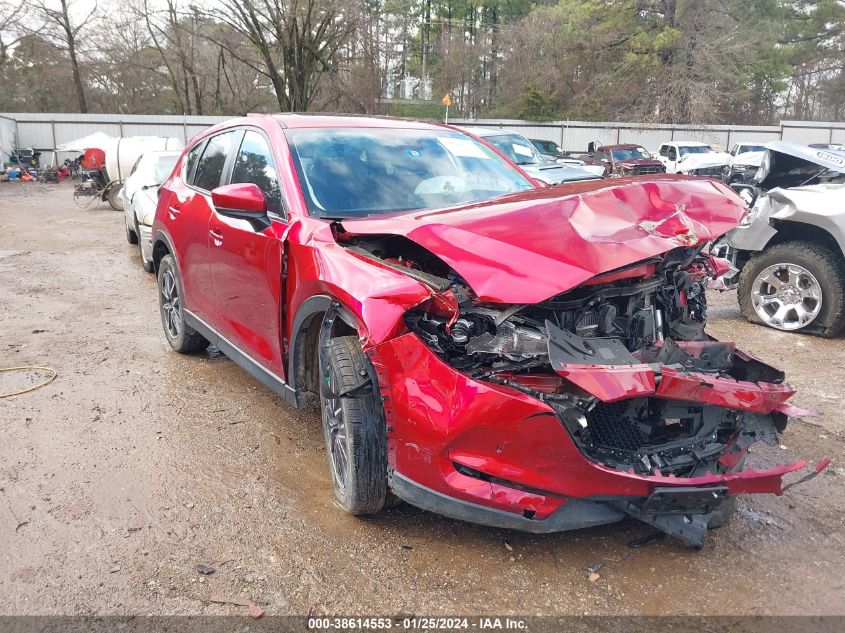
(162, 246)
(318, 317)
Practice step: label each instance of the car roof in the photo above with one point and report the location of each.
(304, 120)
(484, 132)
(620, 146)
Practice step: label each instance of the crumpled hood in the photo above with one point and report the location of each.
(749, 158)
(530, 246)
(699, 161)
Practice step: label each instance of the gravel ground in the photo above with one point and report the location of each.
(136, 464)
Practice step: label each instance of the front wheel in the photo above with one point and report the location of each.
(354, 428)
(795, 286)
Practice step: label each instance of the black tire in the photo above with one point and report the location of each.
(354, 429)
(131, 234)
(824, 264)
(147, 264)
(114, 200)
(180, 335)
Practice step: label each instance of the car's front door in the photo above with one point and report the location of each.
(246, 260)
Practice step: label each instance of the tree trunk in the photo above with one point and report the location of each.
(74, 62)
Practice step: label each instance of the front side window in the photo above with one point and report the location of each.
(210, 167)
(255, 164)
(360, 172)
(672, 154)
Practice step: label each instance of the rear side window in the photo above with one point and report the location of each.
(191, 161)
(210, 167)
(255, 164)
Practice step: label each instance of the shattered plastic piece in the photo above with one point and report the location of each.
(205, 570)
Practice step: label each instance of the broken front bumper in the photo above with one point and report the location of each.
(490, 454)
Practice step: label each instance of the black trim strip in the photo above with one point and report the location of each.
(262, 375)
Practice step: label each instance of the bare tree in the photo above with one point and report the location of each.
(64, 31)
(12, 13)
(297, 42)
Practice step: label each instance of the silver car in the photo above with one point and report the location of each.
(789, 249)
(140, 197)
(522, 152)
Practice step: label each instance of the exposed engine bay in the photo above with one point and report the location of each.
(622, 359)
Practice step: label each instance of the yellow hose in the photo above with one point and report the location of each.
(53, 374)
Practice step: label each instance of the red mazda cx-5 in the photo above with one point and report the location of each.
(523, 357)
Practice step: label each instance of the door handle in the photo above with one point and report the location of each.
(173, 210)
(216, 236)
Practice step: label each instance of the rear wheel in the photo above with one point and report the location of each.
(354, 429)
(179, 334)
(148, 264)
(794, 286)
(114, 199)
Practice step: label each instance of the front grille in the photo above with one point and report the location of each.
(709, 171)
(609, 427)
(643, 170)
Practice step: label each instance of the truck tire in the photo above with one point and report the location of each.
(795, 286)
(354, 429)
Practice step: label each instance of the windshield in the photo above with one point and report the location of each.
(360, 172)
(164, 165)
(695, 149)
(750, 148)
(517, 148)
(548, 147)
(629, 153)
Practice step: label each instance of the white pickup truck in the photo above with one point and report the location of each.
(693, 158)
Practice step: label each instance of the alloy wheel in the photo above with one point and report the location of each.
(170, 303)
(335, 423)
(786, 296)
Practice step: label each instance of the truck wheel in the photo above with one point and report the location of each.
(180, 335)
(794, 286)
(354, 429)
(115, 201)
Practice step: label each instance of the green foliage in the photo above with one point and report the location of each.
(430, 110)
(535, 105)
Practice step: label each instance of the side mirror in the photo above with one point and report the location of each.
(245, 201)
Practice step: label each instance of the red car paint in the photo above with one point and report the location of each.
(252, 286)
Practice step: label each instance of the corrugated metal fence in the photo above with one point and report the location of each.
(45, 131)
(576, 135)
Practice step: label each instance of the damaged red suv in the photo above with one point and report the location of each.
(521, 357)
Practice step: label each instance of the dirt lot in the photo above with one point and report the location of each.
(136, 464)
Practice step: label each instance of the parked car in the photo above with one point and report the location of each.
(745, 159)
(551, 151)
(789, 250)
(693, 158)
(139, 198)
(623, 160)
(527, 358)
(520, 151)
